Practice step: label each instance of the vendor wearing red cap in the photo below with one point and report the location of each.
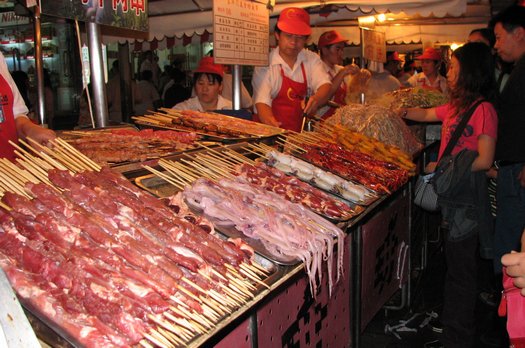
(393, 63)
(429, 77)
(207, 82)
(293, 74)
(14, 123)
(331, 45)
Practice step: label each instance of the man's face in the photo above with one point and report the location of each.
(507, 43)
(290, 44)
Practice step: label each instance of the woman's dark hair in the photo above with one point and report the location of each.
(510, 18)
(476, 75)
(487, 34)
(212, 78)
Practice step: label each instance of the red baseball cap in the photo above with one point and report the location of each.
(393, 56)
(207, 65)
(430, 53)
(329, 38)
(294, 20)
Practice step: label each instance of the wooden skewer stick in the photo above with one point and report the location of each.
(184, 322)
(204, 292)
(44, 156)
(10, 185)
(257, 268)
(11, 167)
(210, 314)
(161, 321)
(252, 277)
(171, 337)
(3, 205)
(196, 317)
(156, 341)
(238, 299)
(36, 171)
(78, 155)
(145, 344)
(165, 177)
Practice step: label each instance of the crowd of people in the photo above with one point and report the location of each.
(486, 75)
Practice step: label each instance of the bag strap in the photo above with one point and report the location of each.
(459, 129)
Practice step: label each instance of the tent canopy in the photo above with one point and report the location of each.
(185, 18)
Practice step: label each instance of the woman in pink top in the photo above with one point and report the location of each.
(466, 212)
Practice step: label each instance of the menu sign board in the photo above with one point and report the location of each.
(374, 45)
(240, 32)
(129, 14)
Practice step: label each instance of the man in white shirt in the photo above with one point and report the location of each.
(293, 74)
(430, 77)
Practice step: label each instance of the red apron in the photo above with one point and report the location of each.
(287, 106)
(339, 98)
(7, 121)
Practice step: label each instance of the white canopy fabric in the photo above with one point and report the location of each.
(169, 18)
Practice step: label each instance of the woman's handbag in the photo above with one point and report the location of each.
(426, 196)
(512, 305)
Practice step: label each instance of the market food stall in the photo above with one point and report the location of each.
(145, 258)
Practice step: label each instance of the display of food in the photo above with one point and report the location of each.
(413, 97)
(208, 123)
(376, 175)
(377, 122)
(109, 264)
(283, 227)
(128, 145)
(355, 141)
(295, 190)
(320, 178)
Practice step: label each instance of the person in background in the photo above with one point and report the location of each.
(49, 99)
(331, 45)
(175, 91)
(486, 36)
(293, 75)
(509, 28)
(146, 95)
(393, 63)
(14, 123)
(207, 83)
(150, 63)
(409, 70)
(430, 77)
(468, 224)
(113, 94)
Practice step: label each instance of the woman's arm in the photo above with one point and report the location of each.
(486, 150)
(419, 114)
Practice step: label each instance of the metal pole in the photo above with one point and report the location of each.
(126, 98)
(97, 75)
(236, 85)
(39, 67)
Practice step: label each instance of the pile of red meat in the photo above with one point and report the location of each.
(102, 259)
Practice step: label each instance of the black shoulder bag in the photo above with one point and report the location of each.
(425, 193)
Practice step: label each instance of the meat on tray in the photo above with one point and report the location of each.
(296, 191)
(121, 145)
(377, 175)
(101, 259)
(208, 123)
(284, 228)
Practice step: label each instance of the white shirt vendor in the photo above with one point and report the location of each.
(266, 81)
(194, 104)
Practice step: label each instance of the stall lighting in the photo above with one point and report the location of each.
(381, 17)
(367, 22)
(454, 46)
